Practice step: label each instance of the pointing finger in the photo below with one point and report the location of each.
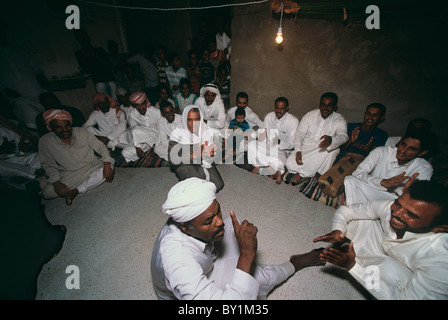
(235, 222)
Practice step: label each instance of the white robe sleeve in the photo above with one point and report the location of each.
(220, 121)
(90, 122)
(120, 128)
(287, 140)
(363, 170)
(252, 118)
(372, 210)
(340, 137)
(188, 282)
(301, 131)
(415, 271)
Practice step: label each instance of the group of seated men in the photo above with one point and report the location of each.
(407, 216)
(391, 239)
(281, 146)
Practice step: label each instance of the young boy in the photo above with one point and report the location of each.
(164, 95)
(175, 72)
(194, 72)
(162, 64)
(207, 68)
(240, 120)
(184, 97)
(241, 132)
(223, 83)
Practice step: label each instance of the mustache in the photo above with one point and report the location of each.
(221, 228)
(399, 220)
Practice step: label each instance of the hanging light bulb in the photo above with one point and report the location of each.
(279, 38)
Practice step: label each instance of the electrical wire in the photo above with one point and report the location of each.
(281, 16)
(174, 9)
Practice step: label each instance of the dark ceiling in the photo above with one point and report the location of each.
(390, 10)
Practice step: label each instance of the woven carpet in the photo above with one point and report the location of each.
(149, 160)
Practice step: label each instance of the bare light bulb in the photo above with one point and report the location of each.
(279, 38)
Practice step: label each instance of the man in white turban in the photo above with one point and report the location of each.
(212, 107)
(198, 255)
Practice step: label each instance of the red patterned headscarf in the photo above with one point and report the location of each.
(56, 114)
(139, 97)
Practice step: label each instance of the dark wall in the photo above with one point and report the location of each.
(403, 65)
(177, 29)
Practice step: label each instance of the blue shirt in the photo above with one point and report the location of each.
(239, 125)
(379, 139)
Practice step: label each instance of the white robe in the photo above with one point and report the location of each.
(144, 132)
(365, 182)
(110, 125)
(268, 152)
(415, 267)
(185, 268)
(127, 111)
(17, 163)
(164, 132)
(392, 141)
(311, 128)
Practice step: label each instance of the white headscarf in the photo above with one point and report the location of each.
(212, 88)
(182, 135)
(188, 199)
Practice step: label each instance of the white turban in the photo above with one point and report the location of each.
(188, 199)
(210, 87)
(121, 92)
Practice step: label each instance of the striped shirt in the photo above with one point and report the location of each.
(175, 77)
(182, 102)
(161, 68)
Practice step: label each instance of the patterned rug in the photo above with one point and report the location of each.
(310, 188)
(149, 160)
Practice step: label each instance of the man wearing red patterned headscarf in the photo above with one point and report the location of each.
(56, 114)
(68, 157)
(111, 122)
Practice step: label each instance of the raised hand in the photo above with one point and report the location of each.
(246, 234)
(354, 135)
(410, 181)
(208, 150)
(334, 236)
(394, 181)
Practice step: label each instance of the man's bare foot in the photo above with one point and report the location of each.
(277, 177)
(69, 196)
(308, 259)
